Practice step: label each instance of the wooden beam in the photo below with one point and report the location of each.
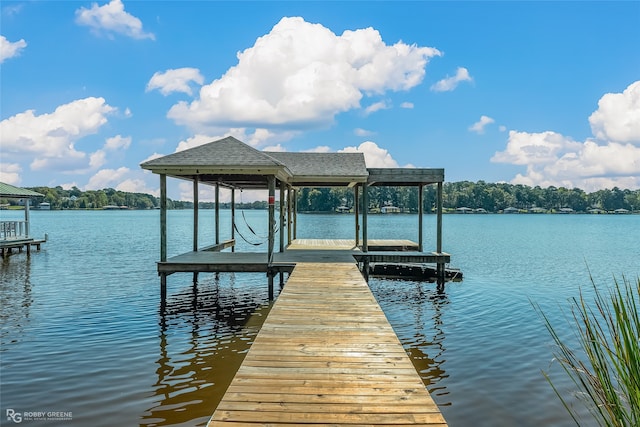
(272, 219)
(163, 219)
(281, 202)
(27, 228)
(217, 213)
(439, 224)
(195, 213)
(365, 210)
(233, 218)
(295, 214)
(420, 214)
(289, 206)
(356, 208)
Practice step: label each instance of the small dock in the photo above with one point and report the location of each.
(326, 355)
(7, 246)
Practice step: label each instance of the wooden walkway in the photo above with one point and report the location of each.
(326, 355)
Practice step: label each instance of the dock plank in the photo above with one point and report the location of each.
(326, 355)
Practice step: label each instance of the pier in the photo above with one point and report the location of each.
(326, 355)
(17, 234)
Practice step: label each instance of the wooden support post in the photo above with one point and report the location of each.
(163, 218)
(217, 213)
(440, 266)
(289, 191)
(163, 289)
(365, 209)
(356, 205)
(27, 228)
(439, 223)
(272, 219)
(420, 214)
(282, 228)
(195, 215)
(295, 214)
(270, 275)
(233, 217)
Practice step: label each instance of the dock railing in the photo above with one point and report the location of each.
(13, 230)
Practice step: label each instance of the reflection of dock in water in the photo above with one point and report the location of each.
(205, 332)
(326, 354)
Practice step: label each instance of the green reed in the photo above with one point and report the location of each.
(606, 370)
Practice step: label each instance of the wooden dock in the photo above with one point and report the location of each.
(7, 246)
(300, 250)
(326, 355)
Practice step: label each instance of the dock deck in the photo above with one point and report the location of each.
(300, 250)
(326, 355)
(7, 246)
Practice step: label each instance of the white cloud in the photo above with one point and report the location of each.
(10, 173)
(176, 80)
(618, 116)
(375, 157)
(610, 159)
(97, 159)
(363, 132)
(377, 106)
(9, 49)
(302, 74)
(107, 178)
(258, 138)
(502, 128)
(478, 127)
(49, 138)
(117, 142)
(137, 186)
(112, 18)
(153, 156)
(408, 105)
(274, 148)
(319, 149)
(535, 148)
(450, 83)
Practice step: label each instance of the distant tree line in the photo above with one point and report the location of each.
(488, 196)
(474, 195)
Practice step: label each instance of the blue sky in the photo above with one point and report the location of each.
(538, 93)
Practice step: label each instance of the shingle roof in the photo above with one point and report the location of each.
(228, 152)
(305, 166)
(7, 190)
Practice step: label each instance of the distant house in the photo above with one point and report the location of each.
(481, 211)
(343, 209)
(44, 206)
(389, 209)
(596, 211)
(511, 210)
(464, 210)
(537, 210)
(566, 210)
(621, 211)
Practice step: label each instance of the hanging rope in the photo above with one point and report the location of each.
(264, 238)
(235, 227)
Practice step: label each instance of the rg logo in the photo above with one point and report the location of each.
(14, 416)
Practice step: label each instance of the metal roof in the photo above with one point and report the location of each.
(7, 190)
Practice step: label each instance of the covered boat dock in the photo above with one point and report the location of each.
(232, 164)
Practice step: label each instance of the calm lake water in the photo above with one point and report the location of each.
(82, 329)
